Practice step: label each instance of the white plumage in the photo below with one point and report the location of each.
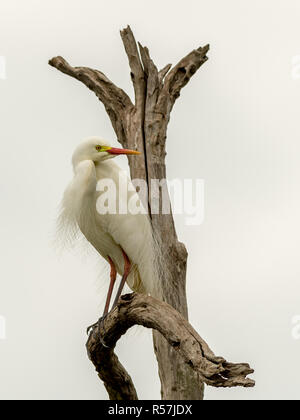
(110, 233)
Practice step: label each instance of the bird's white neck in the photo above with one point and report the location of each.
(108, 169)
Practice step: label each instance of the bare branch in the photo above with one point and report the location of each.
(152, 81)
(162, 73)
(135, 122)
(144, 310)
(137, 71)
(108, 93)
(116, 380)
(179, 76)
(115, 100)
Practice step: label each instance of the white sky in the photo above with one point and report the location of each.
(236, 125)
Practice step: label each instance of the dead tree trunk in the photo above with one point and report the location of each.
(143, 126)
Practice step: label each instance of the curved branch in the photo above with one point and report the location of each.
(105, 89)
(117, 103)
(137, 309)
(116, 380)
(179, 76)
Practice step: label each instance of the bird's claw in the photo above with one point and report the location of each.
(91, 327)
(100, 326)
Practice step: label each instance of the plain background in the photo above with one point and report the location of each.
(236, 125)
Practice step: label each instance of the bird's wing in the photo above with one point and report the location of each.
(133, 233)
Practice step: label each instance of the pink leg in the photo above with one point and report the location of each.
(127, 266)
(113, 275)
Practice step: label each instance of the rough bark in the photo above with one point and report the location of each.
(143, 126)
(137, 309)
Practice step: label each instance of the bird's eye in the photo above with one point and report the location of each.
(98, 148)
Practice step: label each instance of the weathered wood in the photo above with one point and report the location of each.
(143, 126)
(137, 309)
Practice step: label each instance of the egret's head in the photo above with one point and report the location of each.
(97, 150)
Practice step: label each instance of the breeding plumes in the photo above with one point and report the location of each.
(124, 240)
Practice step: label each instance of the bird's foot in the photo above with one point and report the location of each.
(91, 327)
(99, 325)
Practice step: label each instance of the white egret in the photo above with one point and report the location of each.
(124, 240)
